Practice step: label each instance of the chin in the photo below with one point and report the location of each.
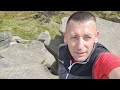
(81, 59)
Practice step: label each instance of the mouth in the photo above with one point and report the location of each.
(79, 53)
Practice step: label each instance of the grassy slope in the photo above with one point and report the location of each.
(23, 23)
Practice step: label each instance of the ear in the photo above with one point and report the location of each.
(65, 38)
(96, 37)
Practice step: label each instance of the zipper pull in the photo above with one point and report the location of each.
(69, 67)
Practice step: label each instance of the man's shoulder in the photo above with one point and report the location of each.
(107, 57)
(108, 54)
(104, 55)
(101, 47)
(62, 46)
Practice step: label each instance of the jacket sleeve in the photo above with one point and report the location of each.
(106, 62)
(61, 70)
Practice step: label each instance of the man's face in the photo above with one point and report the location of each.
(80, 37)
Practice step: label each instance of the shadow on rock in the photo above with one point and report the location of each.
(53, 48)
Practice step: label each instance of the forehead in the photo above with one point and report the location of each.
(76, 27)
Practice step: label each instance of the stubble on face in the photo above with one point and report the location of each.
(80, 52)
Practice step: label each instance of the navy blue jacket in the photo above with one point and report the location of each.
(77, 70)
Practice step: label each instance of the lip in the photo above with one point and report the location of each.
(79, 53)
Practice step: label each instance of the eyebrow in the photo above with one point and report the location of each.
(74, 35)
(88, 34)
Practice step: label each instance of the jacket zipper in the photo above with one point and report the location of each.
(71, 65)
(69, 68)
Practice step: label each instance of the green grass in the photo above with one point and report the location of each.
(24, 28)
(24, 25)
(108, 15)
(28, 29)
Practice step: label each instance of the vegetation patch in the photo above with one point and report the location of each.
(29, 24)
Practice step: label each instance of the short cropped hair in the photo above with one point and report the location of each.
(82, 16)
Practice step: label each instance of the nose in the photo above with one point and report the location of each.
(80, 43)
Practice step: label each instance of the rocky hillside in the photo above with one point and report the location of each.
(29, 41)
(29, 24)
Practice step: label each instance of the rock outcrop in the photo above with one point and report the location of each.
(26, 61)
(5, 39)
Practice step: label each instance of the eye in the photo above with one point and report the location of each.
(87, 38)
(74, 37)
